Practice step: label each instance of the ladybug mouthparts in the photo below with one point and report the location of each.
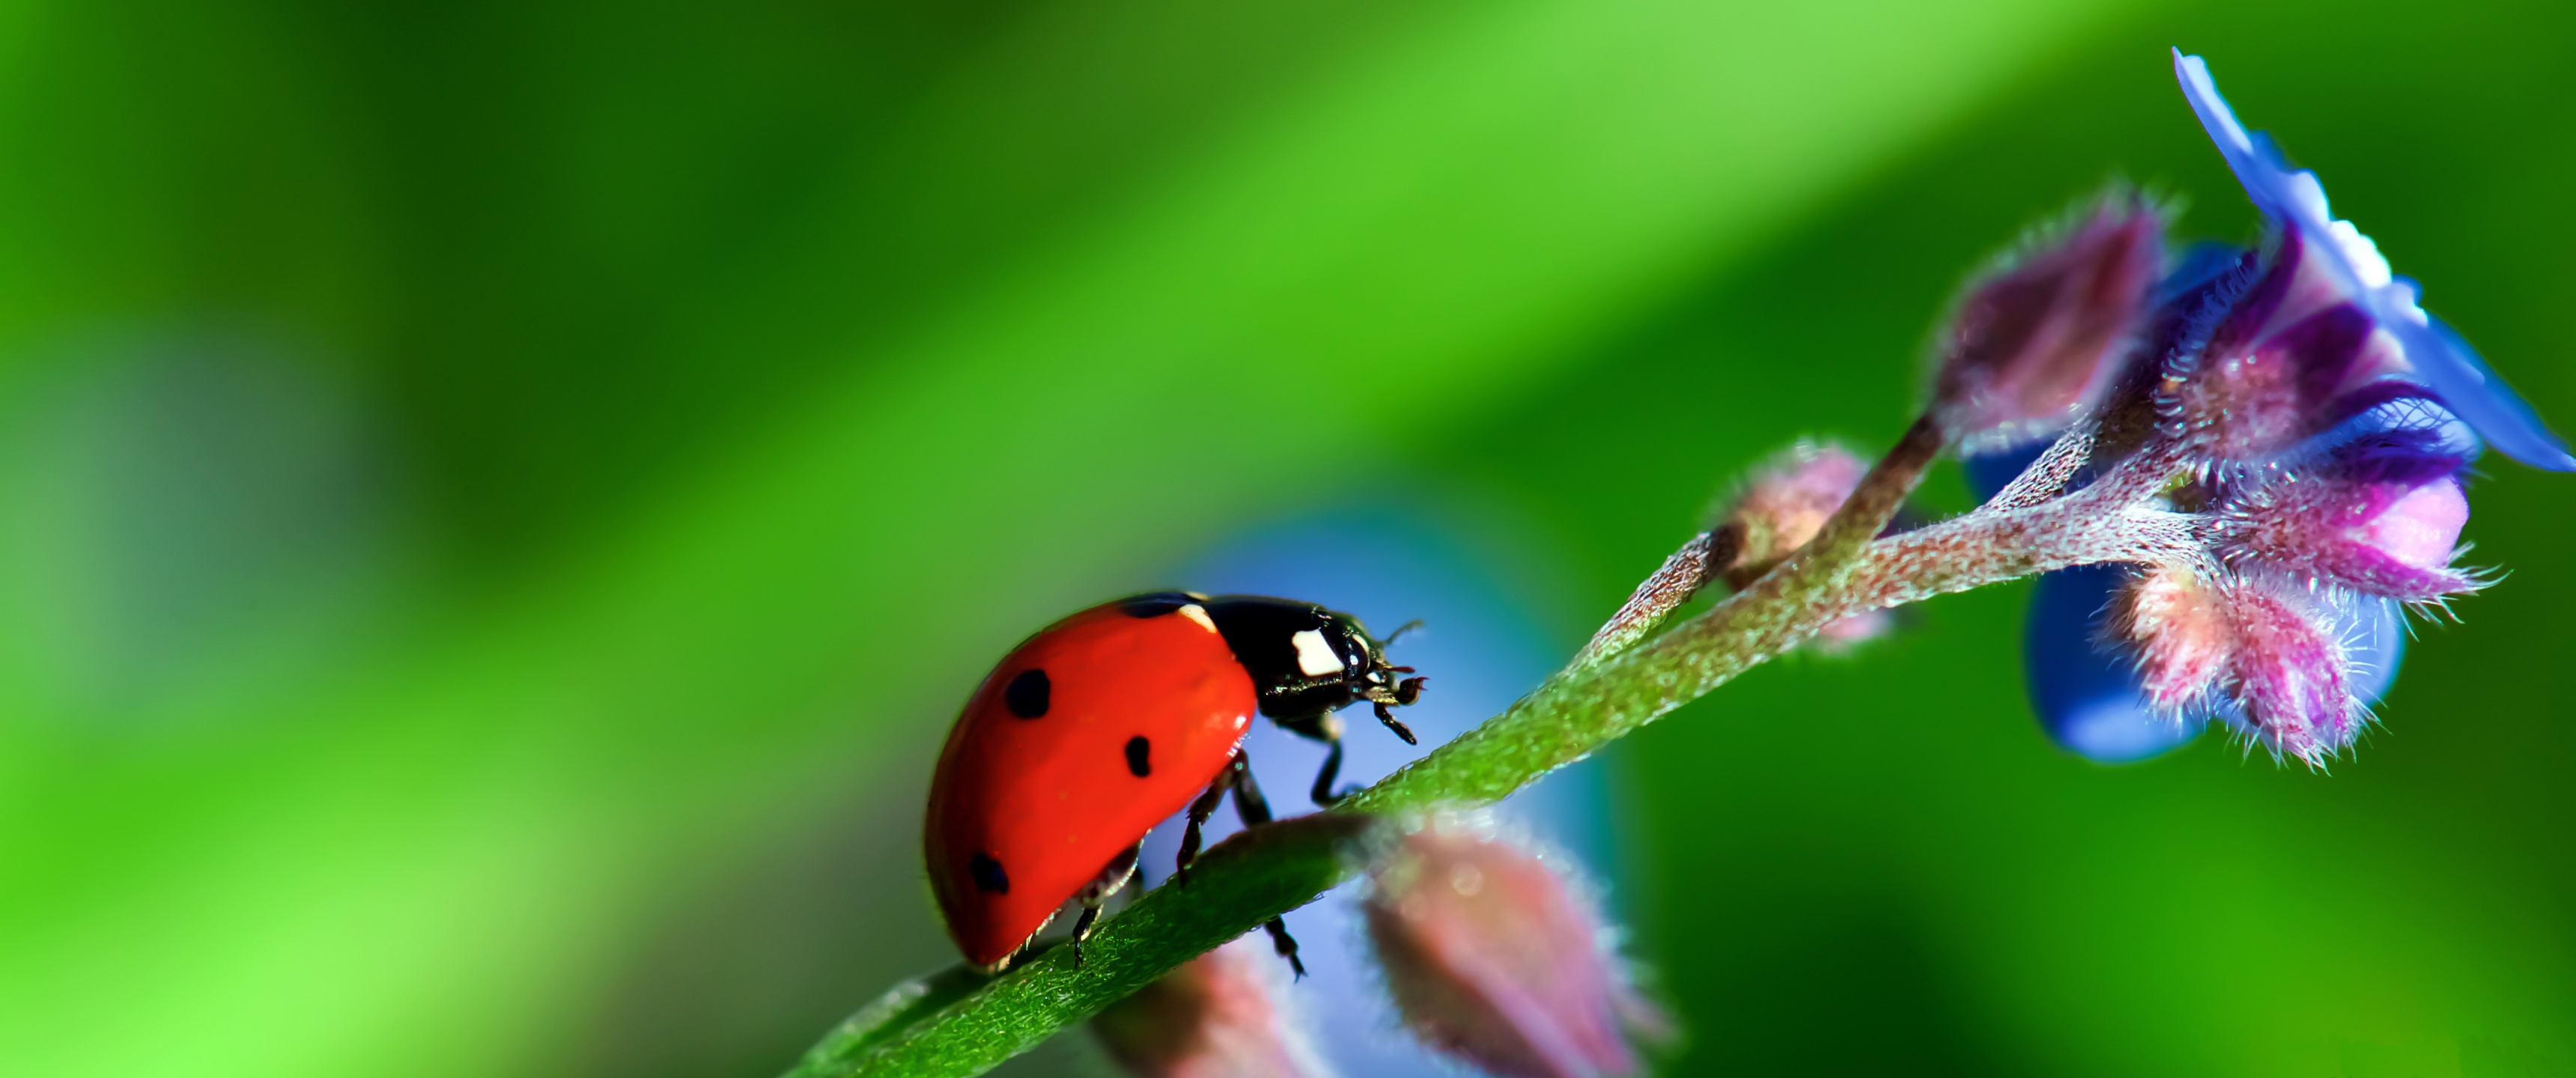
(1384, 693)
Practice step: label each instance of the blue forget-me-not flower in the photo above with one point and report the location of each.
(2323, 421)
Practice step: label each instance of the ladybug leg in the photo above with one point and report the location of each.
(1112, 879)
(1323, 794)
(1327, 728)
(1082, 931)
(1203, 808)
(1285, 944)
(1255, 811)
(1392, 723)
(1249, 805)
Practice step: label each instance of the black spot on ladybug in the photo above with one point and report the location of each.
(1140, 756)
(1155, 604)
(1027, 694)
(988, 874)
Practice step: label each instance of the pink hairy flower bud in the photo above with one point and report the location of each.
(1787, 503)
(2033, 344)
(2380, 538)
(2381, 515)
(2291, 676)
(1218, 1016)
(1494, 959)
(2177, 626)
(2421, 528)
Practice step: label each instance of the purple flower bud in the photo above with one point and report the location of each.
(2291, 679)
(2031, 347)
(1218, 1016)
(2176, 625)
(2380, 515)
(2341, 265)
(2280, 367)
(1786, 504)
(1494, 959)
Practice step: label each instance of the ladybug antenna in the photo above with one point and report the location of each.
(1400, 630)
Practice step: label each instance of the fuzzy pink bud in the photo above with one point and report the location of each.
(2382, 518)
(2033, 344)
(2176, 624)
(1492, 958)
(2420, 529)
(2374, 538)
(1218, 1016)
(1787, 503)
(1841, 635)
(2291, 676)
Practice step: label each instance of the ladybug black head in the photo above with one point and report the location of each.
(1307, 662)
(1377, 678)
(1380, 684)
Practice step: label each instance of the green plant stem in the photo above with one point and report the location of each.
(1589, 706)
(960, 1023)
(1673, 583)
(952, 1026)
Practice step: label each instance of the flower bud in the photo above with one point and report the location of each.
(2381, 515)
(2094, 704)
(1492, 958)
(1218, 1016)
(2290, 675)
(2032, 345)
(2176, 624)
(1841, 635)
(1787, 504)
(2288, 361)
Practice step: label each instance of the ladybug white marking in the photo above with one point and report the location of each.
(1315, 658)
(1199, 614)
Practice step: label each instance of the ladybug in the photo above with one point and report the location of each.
(1108, 722)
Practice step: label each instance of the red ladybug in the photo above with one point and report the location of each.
(1106, 723)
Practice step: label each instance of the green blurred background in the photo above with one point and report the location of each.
(499, 500)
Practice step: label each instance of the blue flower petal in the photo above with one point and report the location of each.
(2375, 631)
(2447, 364)
(2087, 700)
(2198, 265)
(1989, 473)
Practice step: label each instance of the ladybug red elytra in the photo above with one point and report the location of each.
(1108, 722)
